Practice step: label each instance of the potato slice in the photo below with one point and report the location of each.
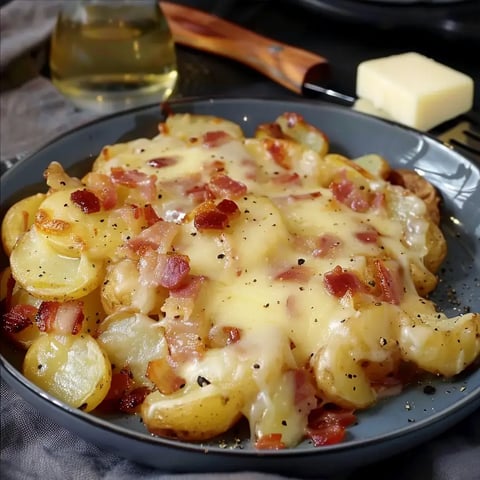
(374, 164)
(72, 368)
(18, 219)
(132, 340)
(197, 414)
(186, 126)
(50, 276)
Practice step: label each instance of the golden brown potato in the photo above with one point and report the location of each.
(197, 414)
(18, 219)
(72, 368)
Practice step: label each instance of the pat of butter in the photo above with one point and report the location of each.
(413, 89)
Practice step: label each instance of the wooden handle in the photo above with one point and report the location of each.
(287, 65)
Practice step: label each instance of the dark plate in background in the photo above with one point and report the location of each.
(458, 19)
(392, 426)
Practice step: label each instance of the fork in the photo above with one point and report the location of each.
(462, 134)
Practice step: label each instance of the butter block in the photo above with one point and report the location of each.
(414, 90)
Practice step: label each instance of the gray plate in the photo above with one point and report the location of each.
(395, 424)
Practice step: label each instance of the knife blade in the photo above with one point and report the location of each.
(296, 69)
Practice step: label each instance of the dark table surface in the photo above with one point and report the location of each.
(346, 33)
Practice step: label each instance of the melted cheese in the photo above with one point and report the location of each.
(302, 216)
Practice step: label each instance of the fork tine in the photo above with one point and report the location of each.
(464, 135)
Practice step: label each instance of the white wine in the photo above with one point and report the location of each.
(108, 56)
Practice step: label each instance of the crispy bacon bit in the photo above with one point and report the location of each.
(389, 281)
(130, 402)
(163, 375)
(351, 195)
(136, 179)
(229, 208)
(339, 282)
(162, 162)
(222, 186)
(61, 317)
(18, 318)
(305, 399)
(212, 219)
(86, 200)
(102, 186)
(175, 271)
(368, 236)
(209, 216)
(215, 138)
(327, 425)
(270, 441)
(150, 215)
(46, 316)
(121, 383)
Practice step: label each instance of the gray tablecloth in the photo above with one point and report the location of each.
(33, 446)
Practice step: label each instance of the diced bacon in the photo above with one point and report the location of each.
(130, 402)
(18, 318)
(390, 282)
(175, 272)
(163, 375)
(60, 317)
(228, 207)
(278, 151)
(210, 220)
(215, 138)
(325, 245)
(120, 384)
(340, 282)
(103, 187)
(145, 184)
(86, 200)
(150, 215)
(162, 162)
(296, 273)
(209, 216)
(350, 194)
(327, 426)
(270, 441)
(158, 236)
(46, 316)
(368, 236)
(223, 186)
